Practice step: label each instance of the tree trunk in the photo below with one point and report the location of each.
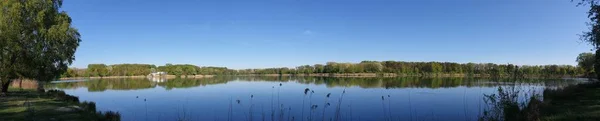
(40, 86)
(21, 84)
(5, 84)
(597, 64)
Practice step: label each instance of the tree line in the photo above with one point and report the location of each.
(103, 70)
(119, 69)
(396, 67)
(425, 68)
(188, 69)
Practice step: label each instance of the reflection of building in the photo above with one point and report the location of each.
(157, 79)
(157, 76)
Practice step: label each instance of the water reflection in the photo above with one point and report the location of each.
(95, 85)
(157, 79)
(283, 98)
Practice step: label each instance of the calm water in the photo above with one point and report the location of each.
(258, 98)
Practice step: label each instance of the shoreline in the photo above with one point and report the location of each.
(576, 102)
(386, 75)
(29, 104)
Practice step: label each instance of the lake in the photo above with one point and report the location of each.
(284, 98)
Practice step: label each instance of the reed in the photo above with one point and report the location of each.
(230, 112)
(312, 107)
(281, 112)
(337, 111)
(325, 105)
(184, 117)
(390, 108)
(263, 112)
(250, 108)
(239, 102)
(279, 103)
(351, 116)
(385, 117)
(272, 110)
(465, 106)
(289, 113)
(146, 107)
(410, 105)
(304, 97)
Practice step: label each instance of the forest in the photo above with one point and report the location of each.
(396, 67)
(424, 68)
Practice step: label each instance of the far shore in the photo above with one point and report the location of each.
(320, 75)
(403, 75)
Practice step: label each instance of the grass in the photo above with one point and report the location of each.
(573, 103)
(576, 103)
(29, 105)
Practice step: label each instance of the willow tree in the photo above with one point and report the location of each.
(37, 40)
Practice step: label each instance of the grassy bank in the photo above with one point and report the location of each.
(574, 103)
(29, 105)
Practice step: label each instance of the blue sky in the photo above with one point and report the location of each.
(288, 33)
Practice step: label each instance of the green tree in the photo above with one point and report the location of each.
(586, 62)
(593, 35)
(36, 40)
(69, 73)
(100, 70)
(177, 71)
(372, 66)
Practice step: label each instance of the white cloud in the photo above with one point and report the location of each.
(307, 32)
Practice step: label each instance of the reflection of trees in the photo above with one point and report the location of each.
(187, 83)
(139, 83)
(107, 84)
(66, 85)
(120, 84)
(403, 82)
(398, 82)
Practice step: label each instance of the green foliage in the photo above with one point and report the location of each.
(509, 104)
(100, 70)
(572, 103)
(130, 69)
(369, 67)
(187, 69)
(119, 70)
(179, 70)
(37, 40)
(586, 62)
(70, 73)
(593, 35)
(397, 67)
(43, 106)
(216, 71)
(418, 68)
